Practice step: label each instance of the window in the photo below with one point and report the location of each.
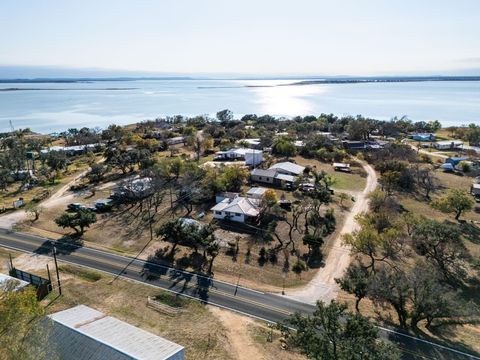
(260, 178)
(218, 212)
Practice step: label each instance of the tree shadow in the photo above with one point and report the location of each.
(203, 287)
(177, 277)
(471, 232)
(64, 246)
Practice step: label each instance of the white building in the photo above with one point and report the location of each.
(251, 157)
(82, 333)
(237, 209)
(448, 144)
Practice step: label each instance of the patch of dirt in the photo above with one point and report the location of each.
(242, 346)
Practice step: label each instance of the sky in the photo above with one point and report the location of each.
(262, 37)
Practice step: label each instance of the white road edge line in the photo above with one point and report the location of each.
(427, 342)
(139, 260)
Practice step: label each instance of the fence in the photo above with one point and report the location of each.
(44, 286)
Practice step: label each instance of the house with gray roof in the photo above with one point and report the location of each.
(264, 176)
(276, 176)
(82, 333)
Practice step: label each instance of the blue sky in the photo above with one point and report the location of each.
(346, 37)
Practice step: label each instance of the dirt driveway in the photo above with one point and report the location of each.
(323, 285)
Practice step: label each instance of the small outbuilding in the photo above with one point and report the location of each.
(341, 167)
(82, 333)
(256, 192)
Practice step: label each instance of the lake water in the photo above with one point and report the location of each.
(54, 107)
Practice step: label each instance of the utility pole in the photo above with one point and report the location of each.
(56, 269)
(49, 279)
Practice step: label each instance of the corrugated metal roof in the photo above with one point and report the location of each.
(85, 333)
(256, 191)
(4, 279)
(262, 172)
(288, 167)
(285, 177)
(239, 205)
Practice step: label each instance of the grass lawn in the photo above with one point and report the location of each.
(353, 182)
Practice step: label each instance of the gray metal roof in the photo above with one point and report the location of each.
(85, 333)
(285, 177)
(288, 167)
(262, 172)
(256, 190)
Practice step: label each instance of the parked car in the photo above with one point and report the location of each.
(103, 204)
(75, 206)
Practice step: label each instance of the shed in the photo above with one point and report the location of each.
(82, 333)
(341, 167)
(256, 192)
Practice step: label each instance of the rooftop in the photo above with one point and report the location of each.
(19, 284)
(262, 172)
(449, 142)
(287, 178)
(85, 333)
(238, 205)
(289, 167)
(256, 191)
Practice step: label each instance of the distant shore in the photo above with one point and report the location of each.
(295, 81)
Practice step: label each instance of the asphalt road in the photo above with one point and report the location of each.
(264, 306)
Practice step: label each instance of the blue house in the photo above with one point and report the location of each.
(423, 137)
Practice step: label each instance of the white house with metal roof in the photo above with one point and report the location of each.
(237, 209)
(251, 157)
(82, 333)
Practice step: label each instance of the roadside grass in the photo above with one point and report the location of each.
(83, 273)
(196, 329)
